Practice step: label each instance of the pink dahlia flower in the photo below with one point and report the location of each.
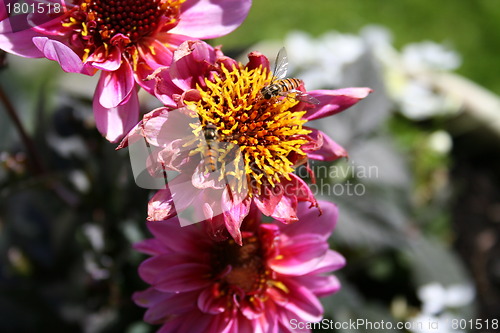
(126, 40)
(276, 276)
(255, 142)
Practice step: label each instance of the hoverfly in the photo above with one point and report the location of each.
(211, 141)
(281, 86)
(188, 158)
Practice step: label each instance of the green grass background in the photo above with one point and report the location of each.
(471, 27)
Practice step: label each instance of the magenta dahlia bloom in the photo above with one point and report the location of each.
(126, 40)
(259, 140)
(199, 285)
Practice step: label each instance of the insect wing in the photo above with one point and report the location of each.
(300, 96)
(306, 98)
(281, 65)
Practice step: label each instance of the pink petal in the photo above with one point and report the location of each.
(256, 60)
(293, 191)
(160, 83)
(322, 285)
(269, 235)
(141, 77)
(161, 306)
(159, 51)
(165, 127)
(210, 303)
(184, 277)
(151, 247)
(106, 61)
(268, 322)
(155, 53)
(133, 136)
(193, 322)
(179, 195)
(57, 51)
(302, 303)
(3, 12)
(311, 222)
(224, 323)
(245, 325)
(286, 317)
(216, 228)
(19, 43)
(332, 261)
(48, 24)
(173, 304)
(206, 19)
(161, 206)
(149, 297)
(298, 187)
(191, 61)
(162, 128)
(300, 256)
(159, 312)
(269, 199)
(234, 213)
(285, 210)
(177, 239)
(335, 101)
(151, 269)
(115, 87)
(113, 123)
(328, 149)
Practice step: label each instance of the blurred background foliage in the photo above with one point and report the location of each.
(426, 224)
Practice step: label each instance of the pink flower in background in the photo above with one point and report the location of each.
(277, 275)
(270, 136)
(126, 40)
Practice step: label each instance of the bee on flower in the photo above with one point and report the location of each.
(265, 138)
(281, 86)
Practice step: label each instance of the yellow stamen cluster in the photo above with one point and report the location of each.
(266, 131)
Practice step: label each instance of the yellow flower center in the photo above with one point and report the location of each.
(96, 22)
(266, 131)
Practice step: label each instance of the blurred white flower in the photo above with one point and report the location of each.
(459, 295)
(418, 101)
(429, 56)
(320, 62)
(340, 48)
(436, 298)
(432, 297)
(440, 141)
(377, 36)
(407, 73)
(80, 180)
(301, 48)
(425, 323)
(436, 303)
(95, 235)
(93, 268)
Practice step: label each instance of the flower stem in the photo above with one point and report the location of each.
(36, 163)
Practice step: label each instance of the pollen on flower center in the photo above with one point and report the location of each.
(267, 132)
(96, 22)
